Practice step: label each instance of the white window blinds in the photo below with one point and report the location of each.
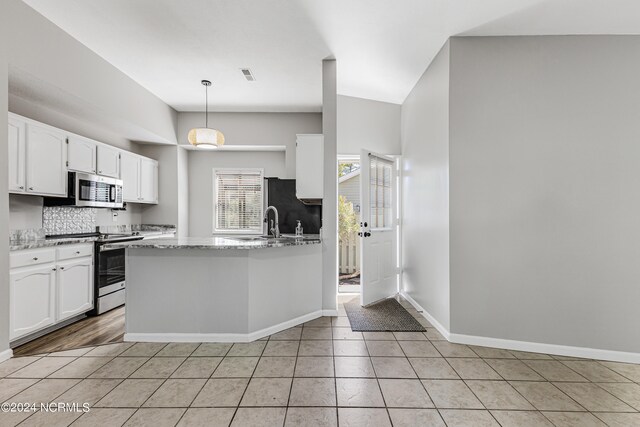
(238, 200)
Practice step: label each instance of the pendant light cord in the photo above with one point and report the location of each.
(206, 106)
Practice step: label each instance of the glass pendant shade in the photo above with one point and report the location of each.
(205, 138)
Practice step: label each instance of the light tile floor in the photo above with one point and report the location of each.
(321, 374)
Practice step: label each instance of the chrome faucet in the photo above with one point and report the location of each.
(275, 230)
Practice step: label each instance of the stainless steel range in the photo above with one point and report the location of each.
(110, 272)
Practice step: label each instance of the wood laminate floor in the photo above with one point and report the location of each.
(91, 331)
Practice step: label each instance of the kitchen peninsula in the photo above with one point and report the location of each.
(220, 289)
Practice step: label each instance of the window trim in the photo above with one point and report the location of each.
(217, 232)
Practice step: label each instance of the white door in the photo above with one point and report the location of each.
(81, 155)
(378, 228)
(46, 161)
(148, 181)
(108, 161)
(31, 299)
(74, 287)
(130, 176)
(16, 159)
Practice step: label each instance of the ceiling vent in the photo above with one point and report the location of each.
(248, 74)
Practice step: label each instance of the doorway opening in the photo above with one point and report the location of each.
(349, 262)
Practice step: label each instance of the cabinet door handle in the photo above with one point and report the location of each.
(54, 269)
(35, 258)
(31, 188)
(21, 187)
(99, 171)
(61, 268)
(77, 252)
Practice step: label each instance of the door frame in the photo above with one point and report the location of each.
(399, 177)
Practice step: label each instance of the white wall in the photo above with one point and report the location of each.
(256, 129)
(425, 190)
(200, 171)
(545, 189)
(367, 124)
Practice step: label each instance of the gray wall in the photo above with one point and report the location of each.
(183, 193)
(4, 186)
(368, 124)
(26, 212)
(51, 68)
(200, 171)
(425, 190)
(350, 189)
(256, 129)
(545, 189)
(330, 200)
(166, 211)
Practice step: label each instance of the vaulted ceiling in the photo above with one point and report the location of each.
(382, 46)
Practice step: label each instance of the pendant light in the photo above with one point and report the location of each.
(206, 137)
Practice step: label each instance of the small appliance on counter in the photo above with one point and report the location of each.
(281, 193)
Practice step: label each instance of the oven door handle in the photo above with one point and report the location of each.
(103, 249)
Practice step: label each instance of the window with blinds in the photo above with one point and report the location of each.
(238, 200)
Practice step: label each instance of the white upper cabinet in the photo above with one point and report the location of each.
(40, 157)
(108, 161)
(81, 154)
(17, 138)
(148, 181)
(46, 161)
(130, 176)
(309, 167)
(139, 178)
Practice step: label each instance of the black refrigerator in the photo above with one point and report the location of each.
(281, 193)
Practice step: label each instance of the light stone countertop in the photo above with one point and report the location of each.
(227, 242)
(46, 243)
(144, 230)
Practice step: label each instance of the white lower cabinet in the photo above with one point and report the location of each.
(74, 296)
(32, 299)
(48, 286)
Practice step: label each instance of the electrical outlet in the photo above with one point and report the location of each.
(114, 216)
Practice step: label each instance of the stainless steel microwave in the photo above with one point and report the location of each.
(86, 190)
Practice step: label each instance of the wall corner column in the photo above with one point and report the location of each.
(330, 202)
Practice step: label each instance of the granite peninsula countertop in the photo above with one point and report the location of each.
(37, 240)
(18, 245)
(229, 242)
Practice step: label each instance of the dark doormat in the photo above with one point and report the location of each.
(385, 316)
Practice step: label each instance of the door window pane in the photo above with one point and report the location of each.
(380, 194)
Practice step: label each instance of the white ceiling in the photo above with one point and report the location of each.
(382, 46)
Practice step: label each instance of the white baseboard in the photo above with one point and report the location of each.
(6, 355)
(556, 349)
(206, 337)
(559, 350)
(443, 331)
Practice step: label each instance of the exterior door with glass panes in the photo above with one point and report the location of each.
(378, 241)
